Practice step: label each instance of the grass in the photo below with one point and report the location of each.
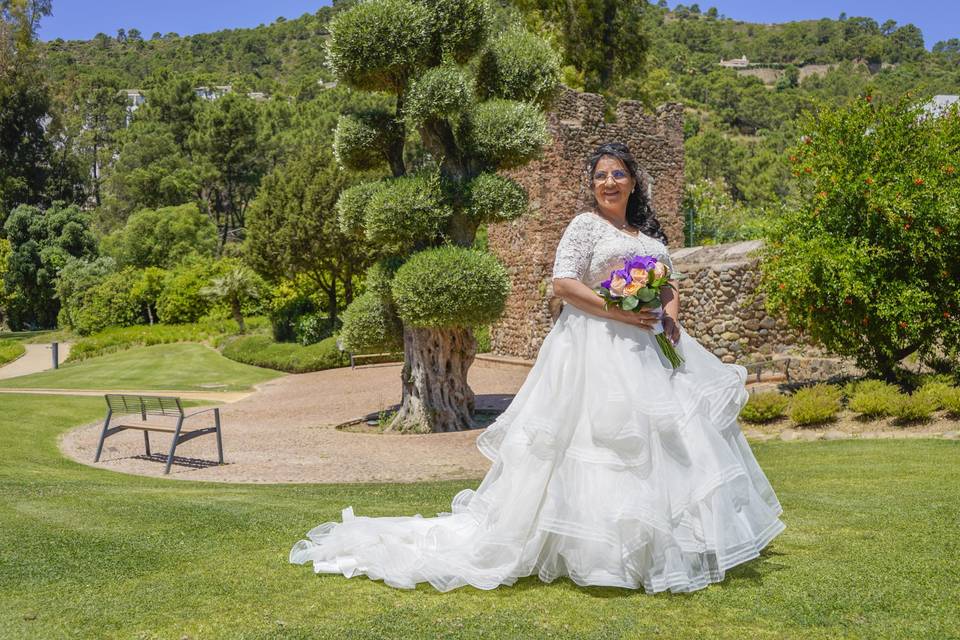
(115, 339)
(870, 551)
(10, 350)
(181, 367)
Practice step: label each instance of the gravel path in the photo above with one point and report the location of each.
(285, 433)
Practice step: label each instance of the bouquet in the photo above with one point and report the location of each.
(636, 286)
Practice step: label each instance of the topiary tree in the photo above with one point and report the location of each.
(868, 261)
(476, 103)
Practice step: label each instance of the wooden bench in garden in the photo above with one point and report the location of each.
(131, 411)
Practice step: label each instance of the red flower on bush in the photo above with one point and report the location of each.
(903, 325)
(808, 170)
(848, 301)
(918, 181)
(782, 286)
(946, 314)
(906, 227)
(949, 168)
(868, 98)
(869, 180)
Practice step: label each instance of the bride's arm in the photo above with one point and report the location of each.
(584, 298)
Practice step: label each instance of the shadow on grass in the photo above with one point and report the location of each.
(178, 461)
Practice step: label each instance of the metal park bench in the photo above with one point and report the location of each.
(380, 355)
(133, 411)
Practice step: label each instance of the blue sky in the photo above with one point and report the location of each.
(82, 19)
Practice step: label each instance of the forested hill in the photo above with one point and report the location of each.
(739, 120)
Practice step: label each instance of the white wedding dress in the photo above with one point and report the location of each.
(608, 467)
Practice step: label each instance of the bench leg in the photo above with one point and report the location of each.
(146, 442)
(103, 435)
(173, 445)
(216, 418)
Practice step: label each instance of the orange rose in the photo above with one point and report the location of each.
(617, 284)
(660, 270)
(639, 275)
(632, 288)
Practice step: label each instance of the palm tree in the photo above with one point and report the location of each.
(235, 287)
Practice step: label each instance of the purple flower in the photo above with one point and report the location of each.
(641, 262)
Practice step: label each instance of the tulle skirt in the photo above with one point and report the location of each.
(609, 467)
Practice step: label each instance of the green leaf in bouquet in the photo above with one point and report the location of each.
(646, 294)
(630, 303)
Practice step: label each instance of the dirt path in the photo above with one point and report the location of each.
(285, 433)
(37, 358)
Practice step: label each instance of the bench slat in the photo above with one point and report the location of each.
(144, 405)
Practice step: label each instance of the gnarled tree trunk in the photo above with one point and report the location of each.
(436, 396)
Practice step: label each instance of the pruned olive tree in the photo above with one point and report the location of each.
(476, 101)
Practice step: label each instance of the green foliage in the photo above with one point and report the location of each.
(314, 327)
(951, 402)
(378, 46)
(874, 398)
(363, 140)
(121, 338)
(405, 212)
(814, 405)
(370, 323)
(450, 286)
(352, 204)
(865, 263)
(764, 407)
(10, 350)
(505, 133)
(915, 407)
(289, 301)
(110, 302)
(482, 335)
(236, 285)
(494, 198)
(182, 300)
(41, 243)
(519, 66)
(440, 92)
(262, 351)
(717, 216)
(162, 237)
(458, 28)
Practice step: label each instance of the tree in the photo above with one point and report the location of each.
(162, 237)
(151, 172)
(225, 143)
(235, 287)
(422, 224)
(605, 40)
(100, 114)
(172, 101)
(868, 262)
(292, 228)
(41, 242)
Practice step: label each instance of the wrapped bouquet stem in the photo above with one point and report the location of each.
(637, 286)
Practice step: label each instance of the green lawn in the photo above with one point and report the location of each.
(180, 366)
(870, 551)
(10, 350)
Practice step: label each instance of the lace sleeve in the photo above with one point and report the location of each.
(574, 250)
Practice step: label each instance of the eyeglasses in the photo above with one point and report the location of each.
(617, 174)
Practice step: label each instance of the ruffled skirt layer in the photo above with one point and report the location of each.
(608, 467)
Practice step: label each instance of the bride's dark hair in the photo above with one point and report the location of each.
(640, 213)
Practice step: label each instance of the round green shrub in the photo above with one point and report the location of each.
(951, 402)
(519, 66)
(873, 398)
(450, 286)
(458, 28)
(377, 46)
(371, 323)
(915, 407)
(764, 407)
(504, 133)
(937, 391)
(814, 405)
(287, 304)
(441, 92)
(404, 212)
(494, 198)
(352, 205)
(361, 139)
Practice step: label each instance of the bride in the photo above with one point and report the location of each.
(609, 466)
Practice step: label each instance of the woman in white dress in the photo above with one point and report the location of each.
(609, 466)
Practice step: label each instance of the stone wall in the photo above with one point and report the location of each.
(558, 189)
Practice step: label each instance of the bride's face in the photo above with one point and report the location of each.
(612, 183)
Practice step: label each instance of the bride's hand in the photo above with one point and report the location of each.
(644, 318)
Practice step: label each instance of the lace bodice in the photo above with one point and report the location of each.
(591, 248)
